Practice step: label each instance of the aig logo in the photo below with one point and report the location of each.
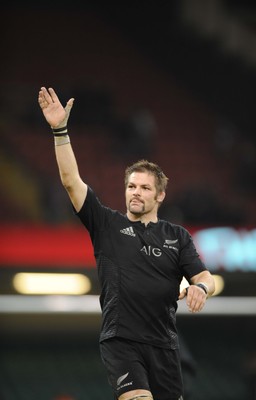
(148, 250)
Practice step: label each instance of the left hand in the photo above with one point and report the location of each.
(196, 298)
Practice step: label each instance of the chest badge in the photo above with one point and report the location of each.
(169, 244)
(128, 231)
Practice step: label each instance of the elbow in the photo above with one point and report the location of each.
(67, 181)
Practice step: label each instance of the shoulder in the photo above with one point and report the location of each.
(93, 200)
(176, 229)
(94, 213)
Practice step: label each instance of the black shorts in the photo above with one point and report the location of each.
(131, 365)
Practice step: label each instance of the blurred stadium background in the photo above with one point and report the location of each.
(172, 81)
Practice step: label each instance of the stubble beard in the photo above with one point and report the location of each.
(135, 211)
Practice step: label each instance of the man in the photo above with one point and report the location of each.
(141, 261)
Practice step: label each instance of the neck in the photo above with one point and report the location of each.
(143, 218)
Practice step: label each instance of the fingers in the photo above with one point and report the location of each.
(53, 96)
(183, 294)
(42, 100)
(196, 298)
(48, 96)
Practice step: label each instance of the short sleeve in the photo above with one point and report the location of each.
(190, 261)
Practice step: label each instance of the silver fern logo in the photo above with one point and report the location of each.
(168, 244)
(121, 378)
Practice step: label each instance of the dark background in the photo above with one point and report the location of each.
(173, 81)
(150, 80)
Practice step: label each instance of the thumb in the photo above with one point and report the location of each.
(69, 105)
(67, 109)
(182, 294)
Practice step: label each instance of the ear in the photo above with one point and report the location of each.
(160, 197)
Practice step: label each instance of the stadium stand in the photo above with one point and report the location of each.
(184, 140)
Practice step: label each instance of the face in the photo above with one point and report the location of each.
(141, 195)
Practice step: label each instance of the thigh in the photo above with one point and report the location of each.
(125, 367)
(165, 377)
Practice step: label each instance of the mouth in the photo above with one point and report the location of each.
(136, 201)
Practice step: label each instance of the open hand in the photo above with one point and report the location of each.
(55, 114)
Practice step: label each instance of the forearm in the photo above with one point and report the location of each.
(67, 164)
(207, 279)
(69, 174)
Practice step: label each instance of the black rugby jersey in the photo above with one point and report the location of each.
(140, 269)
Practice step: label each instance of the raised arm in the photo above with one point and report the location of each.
(57, 117)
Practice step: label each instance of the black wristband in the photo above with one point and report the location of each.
(202, 287)
(58, 130)
(60, 134)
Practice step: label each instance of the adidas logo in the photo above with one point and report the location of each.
(128, 231)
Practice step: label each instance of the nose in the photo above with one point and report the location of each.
(137, 191)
